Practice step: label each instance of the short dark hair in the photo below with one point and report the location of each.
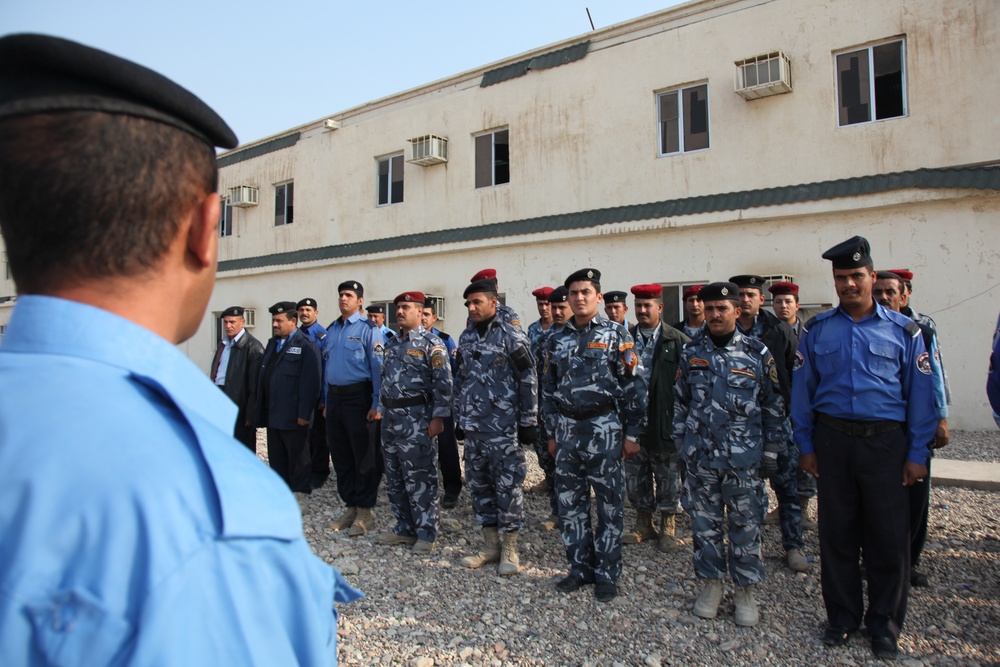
(429, 305)
(87, 195)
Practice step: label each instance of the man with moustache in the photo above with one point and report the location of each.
(319, 453)
(863, 414)
(730, 423)
(235, 371)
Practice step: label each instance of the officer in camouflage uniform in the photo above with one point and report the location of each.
(496, 404)
(414, 399)
(652, 479)
(537, 332)
(730, 422)
(594, 407)
(504, 312)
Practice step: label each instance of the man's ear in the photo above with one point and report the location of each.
(202, 241)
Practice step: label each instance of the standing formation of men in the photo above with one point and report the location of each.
(593, 404)
(863, 413)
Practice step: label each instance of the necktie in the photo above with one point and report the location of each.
(281, 344)
(218, 358)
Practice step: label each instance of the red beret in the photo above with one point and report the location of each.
(485, 274)
(783, 288)
(542, 293)
(649, 291)
(410, 297)
(692, 291)
(903, 274)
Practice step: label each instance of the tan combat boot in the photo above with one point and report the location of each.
(490, 552)
(746, 607)
(707, 604)
(541, 487)
(389, 537)
(668, 541)
(510, 564)
(346, 519)
(772, 518)
(361, 522)
(807, 522)
(643, 530)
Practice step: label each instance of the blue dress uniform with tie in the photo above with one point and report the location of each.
(863, 403)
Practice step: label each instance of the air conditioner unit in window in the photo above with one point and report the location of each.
(429, 149)
(243, 196)
(764, 75)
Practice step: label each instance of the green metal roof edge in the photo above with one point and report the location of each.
(981, 178)
(257, 150)
(544, 61)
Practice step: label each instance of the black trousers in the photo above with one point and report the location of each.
(354, 448)
(288, 454)
(247, 435)
(319, 453)
(920, 505)
(451, 465)
(864, 509)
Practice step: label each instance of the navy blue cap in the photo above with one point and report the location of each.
(720, 292)
(615, 297)
(851, 254)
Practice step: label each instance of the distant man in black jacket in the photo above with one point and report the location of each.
(235, 370)
(288, 391)
(781, 342)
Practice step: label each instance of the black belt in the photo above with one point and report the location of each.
(348, 388)
(408, 402)
(589, 413)
(858, 429)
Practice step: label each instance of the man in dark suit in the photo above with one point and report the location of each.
(235, 371)
(288, 391)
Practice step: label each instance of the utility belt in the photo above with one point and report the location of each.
(407, 402)
(858, 429)
(587, 413)
(349, 388)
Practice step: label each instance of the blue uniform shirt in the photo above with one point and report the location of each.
(354, 350)
(875, 369)
(134, 530)
(316, 331)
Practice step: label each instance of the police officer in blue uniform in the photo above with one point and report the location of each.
(290, 377)
(319, 453)
(376, 314)
(354, 349)
(615, 306)
(134, 530)
(594, 407)
(863, 414)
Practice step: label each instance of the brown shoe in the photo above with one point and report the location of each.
(361, 522)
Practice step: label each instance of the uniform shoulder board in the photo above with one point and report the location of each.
(756, 345)
(912, 328)
(443, 336)
(370, 323)
(814, 319)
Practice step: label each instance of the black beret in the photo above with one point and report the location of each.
(593, 275)
(233, 311)
(376, 309)
(44, 74)
(720, 292)
(748, 280)
(559, 295)
(351, 286)
(486, 286)
(282, 307)
(615, 297)
(851, 254)
(307, 302)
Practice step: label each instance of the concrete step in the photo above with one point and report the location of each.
(966, 474)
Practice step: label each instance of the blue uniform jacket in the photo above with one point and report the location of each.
(875, 369)
(354, 351)
(294, 376)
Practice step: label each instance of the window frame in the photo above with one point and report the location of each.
(872, 96)
(398, 158)
(225, 216)
(287, 215)
(683, 118)
(495, 164)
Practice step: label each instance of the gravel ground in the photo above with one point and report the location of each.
(973, 446)
(424, 611)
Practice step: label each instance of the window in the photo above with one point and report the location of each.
(871, 77)
(283, 204)
(225, 217)
(683, 119)
(390, 180)
(492, 159)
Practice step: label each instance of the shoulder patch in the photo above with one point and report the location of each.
(744, 372)
(799, 361)
(625, 346)
(413, 352)
(699, 363)
(594, 344)
(378, 349)
(924, 363)
(772, 370)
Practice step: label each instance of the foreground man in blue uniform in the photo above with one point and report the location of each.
(863, 414)
(109, 212)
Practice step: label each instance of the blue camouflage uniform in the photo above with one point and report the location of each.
(652, 478)
(862, 402)
(354, 349)
(416, 388)
(451, 464)
(495, 395)
(545, 461)
(593, 394)
(727, 406)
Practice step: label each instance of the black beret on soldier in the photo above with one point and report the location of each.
(559, 295)
(43, 74)
(749, 280)
(486, 286)
(615, 297)
(850, 254)
(380, 309)
(283, 307)
(233, 311)
(593, 275)
(307, 302)
(720, 292)
(351, 286)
